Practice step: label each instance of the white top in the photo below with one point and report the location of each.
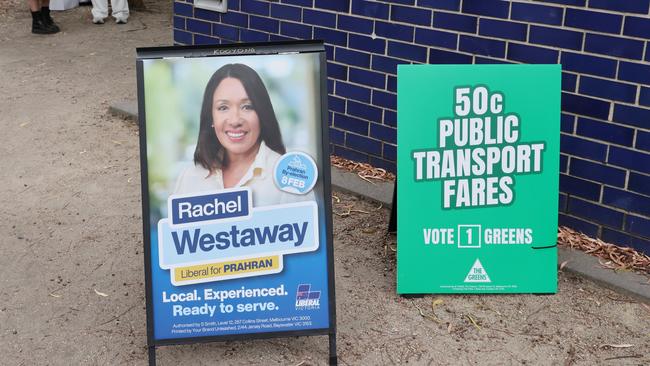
(259, 177)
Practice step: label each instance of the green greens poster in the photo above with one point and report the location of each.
(478, 160)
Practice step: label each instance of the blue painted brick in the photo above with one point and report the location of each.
(368, 44)
(461, 23)
(644, 96)
(643, 140)
(391, 84)
(286, 12)
(569, 81)
(639, 183)
(362, 143)
(579, 187)
(338, 5)
(567, 123)
(444, 57)
(317, 17)
(383, 133)
(614, 46)
(233, 18)
(637, 27)
(394, 31)
(182, 37)
(275, 37)
(350, 154)
(586, 64)
(591, 20)
(555, 37)
(492, 8)
(384, 164)
(368, 78)
(351, 91)
(485, 60)
(179, 23)
(355, 24)
(351, 124)
(607, 89)
(577, 224)
(562, 199)
(637, 73)
(531, 54)
(390, 152)
(436, 38)
(295, 30)
(584, 148)
(635, 6)
(440, 4)
(605, 131)
(232, 5)
(336, 104)
(586, 106)
(630, 159)
(255, 7)
(386, 64)
(365, 111)
(352, 57)
(564, 163)
(566, 2)
(633, 116)
(329, 51)
(337, 71)
(225, 31)
(199, 26)
(264, 24)
(390, 118)
(536, 13)
(370, 9)
(183, 9)
(482, 46)
(624, 239)
(502, 29)
(200, 39)
(638, 225)
(330, 86)
(407, 51)
(206, 14)
(331, 36)
(383, 99)
(248, 35)
(596, 213)
(305, 3)
(337, 136)
(597, 172)
(411, 15)
(626, 200)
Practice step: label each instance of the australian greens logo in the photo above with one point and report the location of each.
(479, 152)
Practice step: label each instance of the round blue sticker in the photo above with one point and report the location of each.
(295, 172)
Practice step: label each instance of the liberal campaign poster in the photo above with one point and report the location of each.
(235, 186)
(478, 161)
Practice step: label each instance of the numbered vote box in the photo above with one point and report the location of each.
(469, 236)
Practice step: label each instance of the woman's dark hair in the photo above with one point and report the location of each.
(209, 151)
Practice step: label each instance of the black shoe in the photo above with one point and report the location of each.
(47, 19)
(39, 27)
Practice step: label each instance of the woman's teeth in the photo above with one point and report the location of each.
(235, 134)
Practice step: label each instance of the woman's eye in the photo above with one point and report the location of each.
(247, 107)
(222, 108)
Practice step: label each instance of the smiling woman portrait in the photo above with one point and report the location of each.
(239, 139)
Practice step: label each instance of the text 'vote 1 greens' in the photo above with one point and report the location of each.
(478, 161)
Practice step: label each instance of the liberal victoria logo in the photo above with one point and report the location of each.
(307, 299)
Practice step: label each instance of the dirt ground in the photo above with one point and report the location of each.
(71, 262)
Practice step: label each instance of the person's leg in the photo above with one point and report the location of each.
(45, 12)
(120, 10)
(100, 11)
(39, 24)
(34, 5)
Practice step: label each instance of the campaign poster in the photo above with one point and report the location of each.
(236, 192)
(478, 161)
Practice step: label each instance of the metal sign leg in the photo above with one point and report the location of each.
(333, 356)
(152, 355)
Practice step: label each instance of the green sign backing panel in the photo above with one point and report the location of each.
(478, 161)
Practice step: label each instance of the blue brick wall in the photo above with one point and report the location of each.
(601, 44)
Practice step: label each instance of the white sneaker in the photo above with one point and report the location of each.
(97, 20)
(120, 20)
